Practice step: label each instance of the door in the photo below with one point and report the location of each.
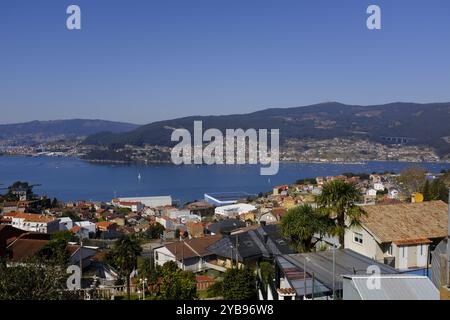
(422, 255)
(403, 258)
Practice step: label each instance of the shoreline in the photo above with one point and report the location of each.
(131, 162)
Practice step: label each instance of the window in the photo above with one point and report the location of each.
(402, 251)
(422, 251)
(358, 237)
(389, 250)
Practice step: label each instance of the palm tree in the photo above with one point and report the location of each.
(124, 254)
(301, 224)
(338, 201)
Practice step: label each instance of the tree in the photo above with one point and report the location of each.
(71, 214)
(177, 284)
(145, 267)
(10, 196)
(413, 179)
(177, 233)
(301, 223)
(215, 290)
(438, 190)
(426, 191)
(239, 284)
(64, 235)
(124, 257)
(154, 231)
(338, 200)
(34, 280)
(124, 211)
(54, 203)
(55, 252)
(267, 271)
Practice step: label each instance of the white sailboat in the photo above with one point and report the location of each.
(139, 176)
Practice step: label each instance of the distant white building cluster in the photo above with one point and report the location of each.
(151, 202)
(32, 222)
(234, 210)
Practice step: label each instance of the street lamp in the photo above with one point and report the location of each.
(144, 282)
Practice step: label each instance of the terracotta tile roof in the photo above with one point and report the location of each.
(10, 214)
(196, 247)
(280, 212)
(129, 203)
(199, 205)
(75, 229)
(286, 291)
(388, 201)
(412, 242)
(406, 221)
(104, 224)
(30, 217)
(204, 278)
(22, 249)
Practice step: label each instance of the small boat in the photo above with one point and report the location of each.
(139, 176)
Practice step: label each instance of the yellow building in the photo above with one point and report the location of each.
(416, 197)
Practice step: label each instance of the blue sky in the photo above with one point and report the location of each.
(148, 60)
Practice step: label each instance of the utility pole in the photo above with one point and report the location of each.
(81, 257)
(182, 254)
(237, 252)
(304, 278)
(231, 255)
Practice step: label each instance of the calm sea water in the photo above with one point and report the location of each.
(73, 179)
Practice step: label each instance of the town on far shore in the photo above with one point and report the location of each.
(319, 238)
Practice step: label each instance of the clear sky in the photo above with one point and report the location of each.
(147, 60)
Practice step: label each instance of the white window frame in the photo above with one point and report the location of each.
(358, 238)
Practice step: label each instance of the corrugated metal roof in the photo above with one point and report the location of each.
(296, 279)
(321, 264)
(397, 287)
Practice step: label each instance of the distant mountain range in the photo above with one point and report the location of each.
(63, 129)
(409, 123)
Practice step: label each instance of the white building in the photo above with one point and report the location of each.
(371, 192)
(32, 222)
(151, 202)
(65, 224)
(234, 209)
(399, 234)
(192, 255)
(134, 206)
(84, 228)
(166, 222)
(378, 186)
(393, 194)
